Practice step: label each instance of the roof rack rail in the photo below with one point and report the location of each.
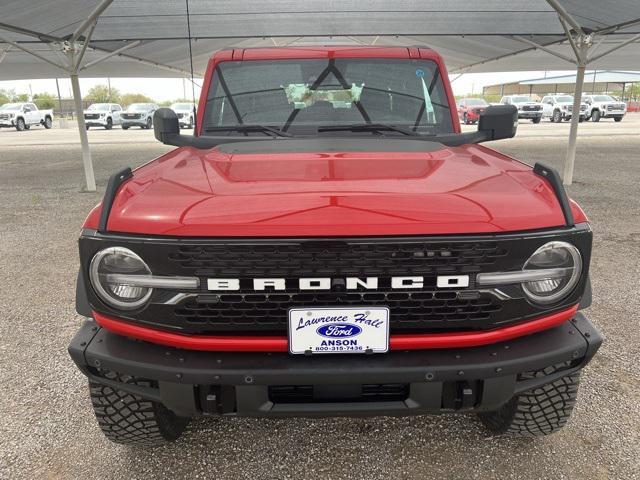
(553, 177)
(115, 181)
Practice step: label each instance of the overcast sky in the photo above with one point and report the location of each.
(161, 89)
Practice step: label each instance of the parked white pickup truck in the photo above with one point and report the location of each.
(604, 106)
(22, 116)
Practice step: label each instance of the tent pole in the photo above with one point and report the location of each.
(573, 131)
(82, 129)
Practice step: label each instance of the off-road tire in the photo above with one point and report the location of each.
(129, 419)
(595, 116)
(48, 123)
(538, 412)
(557, 116)
(617, 119)
(20, 125)
(536, 120)
(109, 124)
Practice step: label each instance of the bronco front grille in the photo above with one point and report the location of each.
(254, 312)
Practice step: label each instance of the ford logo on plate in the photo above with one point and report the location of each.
(339, 330)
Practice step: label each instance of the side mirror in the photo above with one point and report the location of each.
(165, 125)
(499, 121)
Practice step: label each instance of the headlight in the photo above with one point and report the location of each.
(564, 264)
(107, 270)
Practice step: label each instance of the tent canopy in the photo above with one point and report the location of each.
(472, 35)
(143, 38)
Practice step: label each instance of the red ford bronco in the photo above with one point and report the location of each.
(328, 242)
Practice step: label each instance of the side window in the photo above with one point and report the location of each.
(507, 101)
(118, 108)
(32, 107)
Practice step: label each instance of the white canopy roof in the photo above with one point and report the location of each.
(472, 35)
(607, 76)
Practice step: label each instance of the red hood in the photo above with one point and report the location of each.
(333, 192)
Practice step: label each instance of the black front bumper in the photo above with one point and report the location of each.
(402, 382)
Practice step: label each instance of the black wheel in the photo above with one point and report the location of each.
(191, 122)
(87, 126)
(465, 119)
(128, 419)
(48, 123)
(557, 116)
(125, 127)
(109, 124)
(20, 125)
(537, 412)
(536, 120)
(595, 116)
(149, 123)
(617, 119)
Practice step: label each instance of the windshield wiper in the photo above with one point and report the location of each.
(274, 132)
(367, 127)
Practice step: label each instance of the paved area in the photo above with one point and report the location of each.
(47, 429)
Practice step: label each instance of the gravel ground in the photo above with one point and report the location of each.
(47, 428)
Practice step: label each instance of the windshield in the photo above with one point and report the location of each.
(139, 107)
(565, 98)
(476, 102)
(181, 106)
(603, 98)
(521, 99)
(99, 107)
(304, 94)
(11, 106)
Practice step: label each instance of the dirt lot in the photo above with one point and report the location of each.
(47, 429)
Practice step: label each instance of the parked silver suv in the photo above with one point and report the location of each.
(139, 114)
(527, 106)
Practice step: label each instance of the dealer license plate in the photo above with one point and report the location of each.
(339, 330)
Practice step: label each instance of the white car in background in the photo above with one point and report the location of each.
(527, 107)
(22, 116)
(559, 107)
(139, 115)
(185, 112)
(102, 115)
(604, 106)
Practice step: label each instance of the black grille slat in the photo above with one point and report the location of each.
(410, 309)
(293, 261)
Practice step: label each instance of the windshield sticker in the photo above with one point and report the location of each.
(301, 95)
(419, 73)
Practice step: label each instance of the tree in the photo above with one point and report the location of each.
(23, 97)
(128, 98)
(100, 94)
(44, 100)
(7, 96)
